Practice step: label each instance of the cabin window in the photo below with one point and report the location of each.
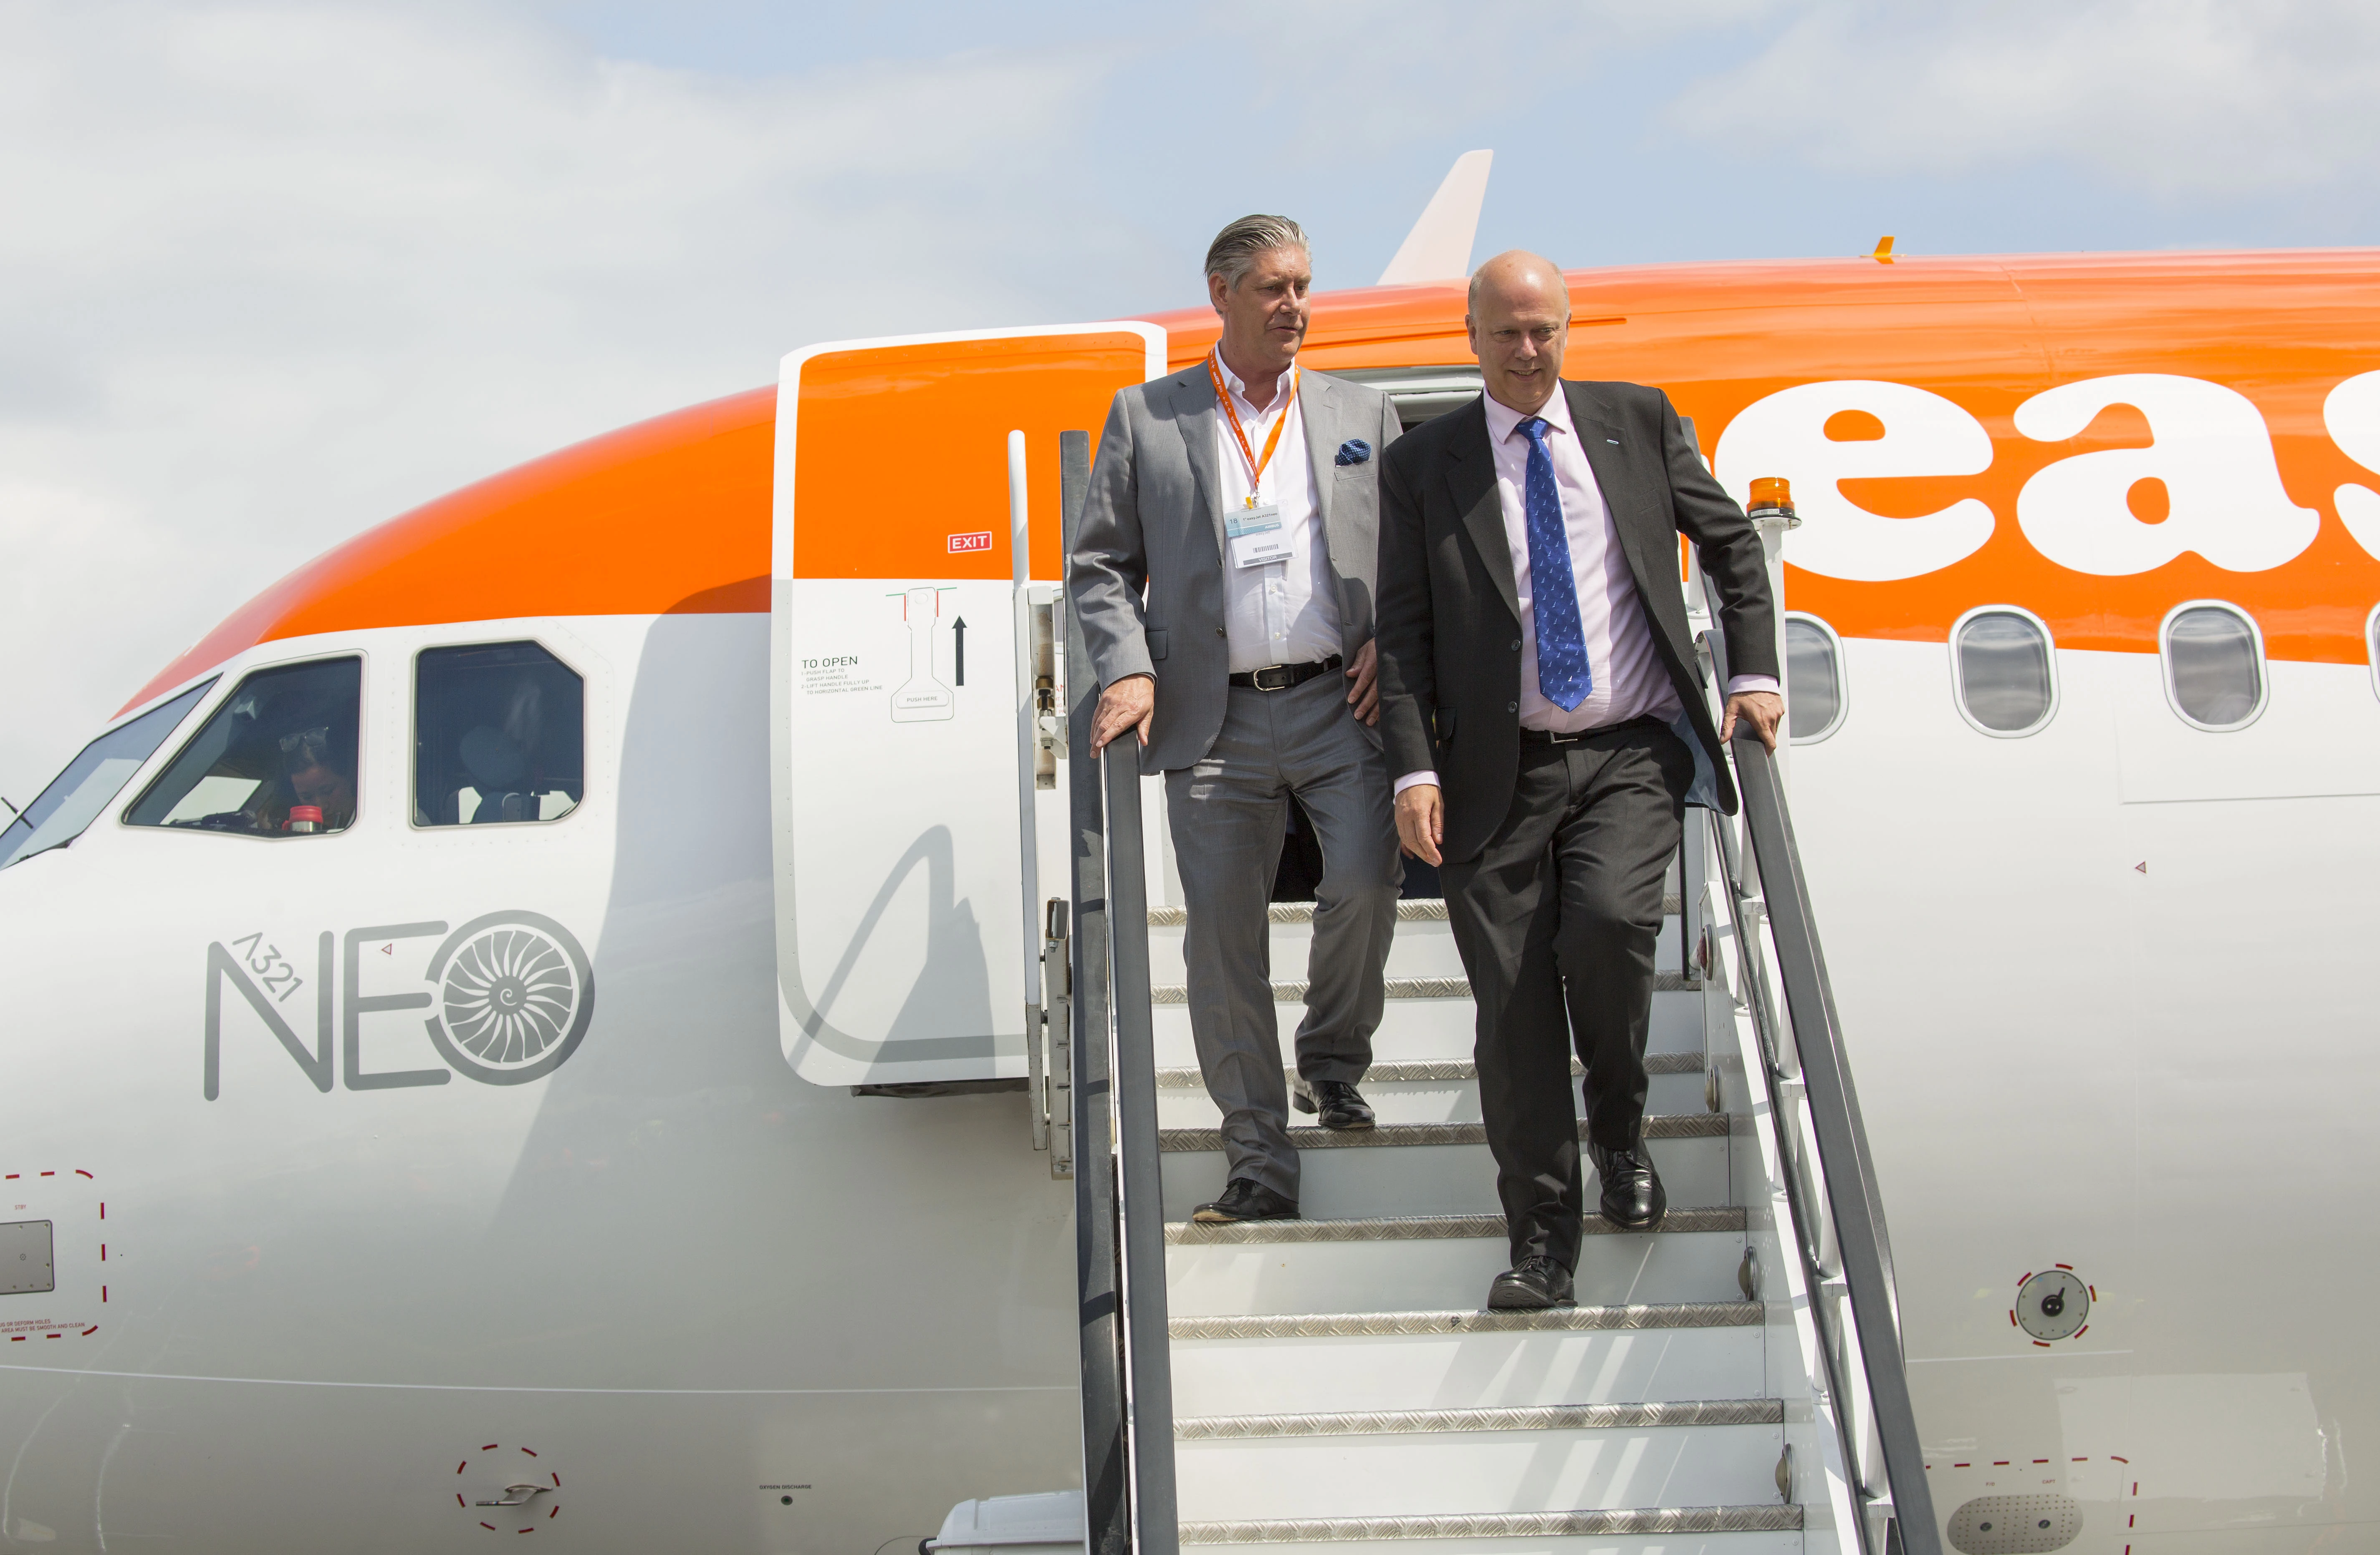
(499, 735)
(92, 781)
(1814, 701)
(2372, 646)
(2002, 670)
(276, 760)
(2214, 665)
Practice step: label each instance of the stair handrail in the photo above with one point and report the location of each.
(1777, 890)
(1129, 1497)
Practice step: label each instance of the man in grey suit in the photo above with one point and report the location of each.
(1222, 573)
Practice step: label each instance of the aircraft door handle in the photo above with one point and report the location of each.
(514, 1495)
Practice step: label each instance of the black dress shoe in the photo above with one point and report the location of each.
(1531, 1286)
(1245, 1199)
(1634, 1199)
(1339, 1104)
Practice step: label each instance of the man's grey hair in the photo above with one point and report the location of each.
(1234, 250)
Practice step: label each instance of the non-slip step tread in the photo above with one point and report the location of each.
(1429, 1228)
(1502, 1525)
(1632, 1316)
(1539, 1417)
(1423, 1070)
(1660, 1125)
(1405, 987)
(1412, 909)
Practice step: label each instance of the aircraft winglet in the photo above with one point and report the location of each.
(1438, 247)
(1883, 254)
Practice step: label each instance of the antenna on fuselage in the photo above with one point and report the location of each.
(1438, 247)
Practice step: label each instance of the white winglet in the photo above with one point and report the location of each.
(1438, 247)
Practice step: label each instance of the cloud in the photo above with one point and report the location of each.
(273, 272)
(2179, 98)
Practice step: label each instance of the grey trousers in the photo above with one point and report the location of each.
(1227, 814)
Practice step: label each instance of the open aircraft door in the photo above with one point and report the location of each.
(916, 551)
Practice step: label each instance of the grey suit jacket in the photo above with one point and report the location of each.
(1146, 574)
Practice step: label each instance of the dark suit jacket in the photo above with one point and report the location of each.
(1449, 620)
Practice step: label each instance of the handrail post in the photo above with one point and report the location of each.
(1148, 1363)
(1107, 1505)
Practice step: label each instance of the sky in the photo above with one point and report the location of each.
(273, 272)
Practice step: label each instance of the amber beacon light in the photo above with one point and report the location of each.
(1772, 493)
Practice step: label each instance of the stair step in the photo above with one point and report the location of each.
(1447, 1473)
(1434, 1031)
(1556, 1418)
(1661, 1125)
(1452, 1174)
(1338, 1325)
(1404, 988)
(1430, 1227)
(1417, 1070)
(1620, 1523)
(1412, 909)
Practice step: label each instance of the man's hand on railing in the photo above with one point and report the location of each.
(1763, 709)
(1421, 822)
(1129, 702)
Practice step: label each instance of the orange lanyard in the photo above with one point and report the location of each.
(1247, 451)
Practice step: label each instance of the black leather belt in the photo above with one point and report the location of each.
(1281, 677)
(1548, 737)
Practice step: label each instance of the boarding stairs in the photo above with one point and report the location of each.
(1729, 1382)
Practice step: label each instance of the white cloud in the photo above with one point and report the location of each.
(2179, 98)
(272, 272)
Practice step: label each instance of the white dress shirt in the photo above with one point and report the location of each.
(1284, 611)
(1630, 681)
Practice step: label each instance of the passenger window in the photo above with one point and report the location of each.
(499, 735)
(2213, 666)
(278, 758)
(2006, 682)
(1814, 679)
(93, 779)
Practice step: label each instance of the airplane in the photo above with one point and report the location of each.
(524, 1028)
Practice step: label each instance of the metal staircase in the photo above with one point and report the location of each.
(1728, 1383)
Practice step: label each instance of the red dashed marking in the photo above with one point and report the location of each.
(2082, 1460)
(490, 1447)
(2067, 1266)
(2119, 1459)
(1999, 1463)
(557, 1481)
(80, 1173)
(461, 1466)
(1963, 1465)
(102, 1252)
(2027, 1275)
(490, 1526)
(2041, 1460)
(531, 1454)
(88, 1331)
(2041, 1344)
(458, 1497)
(11, 1177)
(2011, 1317)
(49, 1173)
(2093, 1289)
(16, 1339)
(2136, 1486)
(103, 1293)
(530, 1529)
(54, 1336)
(554, 1512)
(103, 1209)
(2083, 1330)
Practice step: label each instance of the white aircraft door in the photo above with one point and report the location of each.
(900, 875)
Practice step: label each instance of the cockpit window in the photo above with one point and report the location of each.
(93, 779)
(499, 735)
(278, 758)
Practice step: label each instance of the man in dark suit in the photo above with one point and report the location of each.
(1542, 705)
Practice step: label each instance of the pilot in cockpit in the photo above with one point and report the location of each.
(317, 781)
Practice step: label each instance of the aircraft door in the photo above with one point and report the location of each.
(916, 558)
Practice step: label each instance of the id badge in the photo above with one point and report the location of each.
(1256, 535)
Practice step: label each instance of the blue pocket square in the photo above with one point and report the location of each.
(1354, 451)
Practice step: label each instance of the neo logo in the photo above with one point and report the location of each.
(509, 997)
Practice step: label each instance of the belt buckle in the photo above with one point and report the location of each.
(1257, 679)
(1555, 737)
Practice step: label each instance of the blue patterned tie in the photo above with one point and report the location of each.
(1562, 672)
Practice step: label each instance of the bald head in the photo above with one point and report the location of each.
(1519, 325)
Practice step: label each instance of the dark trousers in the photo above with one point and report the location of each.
(1556, 919)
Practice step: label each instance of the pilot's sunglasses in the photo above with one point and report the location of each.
(307, 748)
